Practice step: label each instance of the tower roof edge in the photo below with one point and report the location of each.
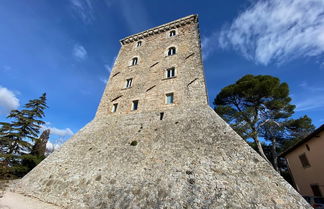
(161, 28)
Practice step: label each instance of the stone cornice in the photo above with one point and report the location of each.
(162, 28)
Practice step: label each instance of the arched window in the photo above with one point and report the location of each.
(134, 61)
(172, 51)
(172, 33)
(139, 43)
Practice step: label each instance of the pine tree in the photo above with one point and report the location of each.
(18, 136)
(247, 104)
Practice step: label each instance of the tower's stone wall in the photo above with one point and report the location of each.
(149, 84)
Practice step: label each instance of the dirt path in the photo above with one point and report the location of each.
(17, 201)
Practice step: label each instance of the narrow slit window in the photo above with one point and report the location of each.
(134, 61)
(161, 115)
(170, 73)
(139, 43)
(114, 107)
(172, 33)
(172, 51)
(135, 105)
(129, 83)
(169, 98)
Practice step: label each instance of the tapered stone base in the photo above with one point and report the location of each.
(189, 159)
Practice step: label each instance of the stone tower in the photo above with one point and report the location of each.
(155, 65)
(155, 142)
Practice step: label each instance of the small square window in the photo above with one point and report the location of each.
(135, 105)
(128, 83)
(114, 107)
(169, 98)
(172, 33)
(170, 72)
(139, 43)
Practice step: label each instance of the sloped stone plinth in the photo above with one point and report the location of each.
(190, 159)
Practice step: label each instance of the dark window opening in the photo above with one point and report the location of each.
(172, 33)
(307, 147)
(135, 105)
(129, 83)
(316, 190)
(134, 61)
(161, 115)
(170, 72)
(139, 43)
(172, 51)
(304, 161)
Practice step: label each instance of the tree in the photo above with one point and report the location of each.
(18, 137)
(39, 147)
(247, 104)
(282, 134)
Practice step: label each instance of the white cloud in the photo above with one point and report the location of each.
(79, 52)
(84, 10)
(61, 132)
(8, 101)
(57, 131)
(51, 147)
(277, 31)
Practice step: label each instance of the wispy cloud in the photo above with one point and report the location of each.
(135, 15)
(311, 97)
(108, 68)
(310, 103)
(79, 52)
(84, 10)
(209, 44)
(311, 88)
(6, 68)
(277, 31)
(8, 101)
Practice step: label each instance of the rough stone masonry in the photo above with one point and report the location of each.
(155, 142)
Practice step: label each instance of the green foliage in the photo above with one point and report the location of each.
(18, 136)
(259, 106)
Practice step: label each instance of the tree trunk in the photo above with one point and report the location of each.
(260, 149)
(274, 154)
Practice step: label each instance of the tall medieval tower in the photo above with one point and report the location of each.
(155, 142)
(157, 70)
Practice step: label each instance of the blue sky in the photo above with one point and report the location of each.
(66, 48)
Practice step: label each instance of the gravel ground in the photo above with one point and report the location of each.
(17, 201)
